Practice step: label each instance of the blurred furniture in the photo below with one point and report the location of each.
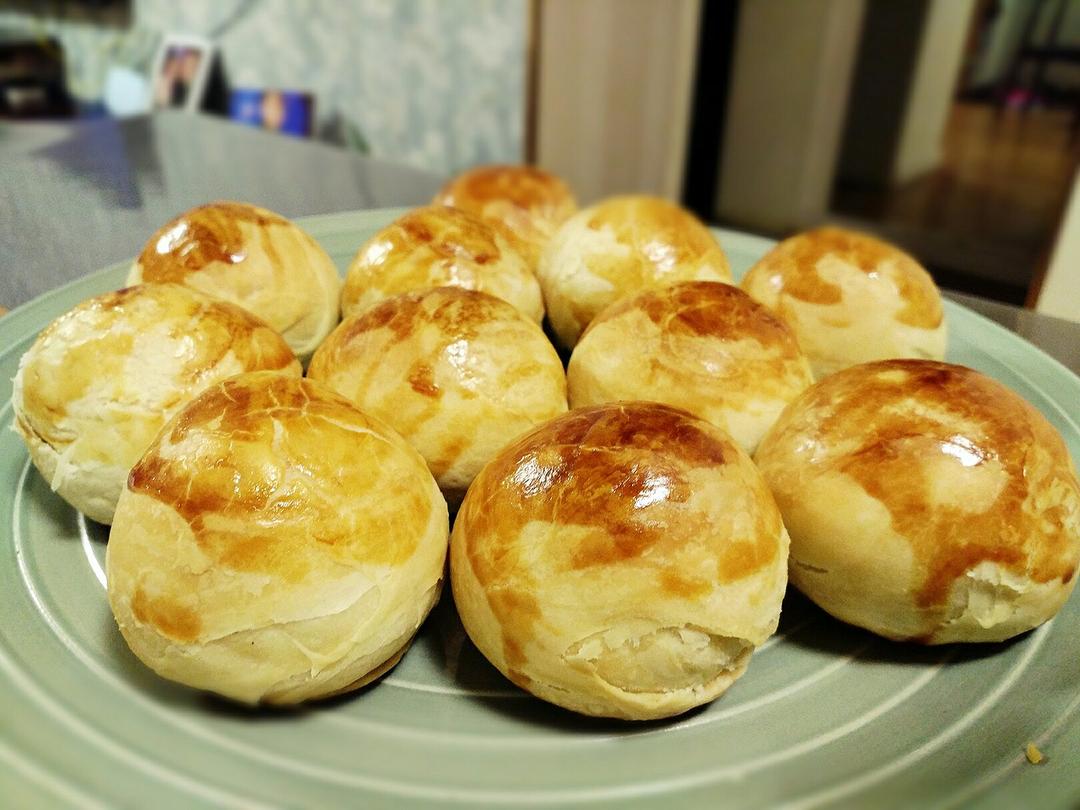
(973, 190)
(984, 222)
(609, 102)
(909, 59)
(792, 69)
(1057, 291)
(1027, 81)
(33, 83)
(82, 195)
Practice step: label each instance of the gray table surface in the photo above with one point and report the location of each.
(75, 197)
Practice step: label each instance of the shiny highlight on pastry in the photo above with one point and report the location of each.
(437, 246)
(850, 298)
(925, 501)
(254, 258)
(528, 202)
(458, 373)
(275, 544)
(621, 246)
(699, 345)
(621, 560)
(100, 381)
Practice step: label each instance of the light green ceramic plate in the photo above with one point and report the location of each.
(826, 715)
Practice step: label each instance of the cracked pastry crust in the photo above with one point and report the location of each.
(698, 345)
(850, 298)
(617, 247)
(438, 246)
(100, 381)
(275, 544)
(528, 202)
(254, 258)
(926, 502)
(457, 373)
(621, 560)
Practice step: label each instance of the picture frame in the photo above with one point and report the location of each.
(180, 72)
(291, 112)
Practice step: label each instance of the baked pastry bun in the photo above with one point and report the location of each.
(619, 246)
(458, 373)
(925, 502)
(528, 202)
(620, 561)
(275, 544)
(100, 381)
(253, 258)
(440, 247)
(698, 345)
(850, 298)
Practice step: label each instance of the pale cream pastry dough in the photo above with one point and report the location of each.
(438, 246)
(100, 381)
(621, 560)
(254, 258)
(528, 202)
(275, 544)
(702, 346)
(458, 373)
(850, 298)
(926, 502)
(619, 246)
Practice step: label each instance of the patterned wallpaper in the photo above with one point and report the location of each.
(434, 83)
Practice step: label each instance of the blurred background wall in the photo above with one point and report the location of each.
(436, 84)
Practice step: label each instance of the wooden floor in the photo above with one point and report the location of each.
(983, 222)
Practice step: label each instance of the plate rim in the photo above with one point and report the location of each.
(31, 311)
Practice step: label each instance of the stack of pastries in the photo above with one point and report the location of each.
(625, 529)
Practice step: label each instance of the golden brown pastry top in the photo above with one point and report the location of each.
(452, 370)
(202, 236)
(793, 268)
(703, 346)
(288, 454)
(892, 425)
(530, 202)
(445, 234)
(456, 312)
(712, 311)
(447, 314)
(662, 237)
(253, 258)
(644, 480)
(83, 361)
(438, 246)
(620, 246)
